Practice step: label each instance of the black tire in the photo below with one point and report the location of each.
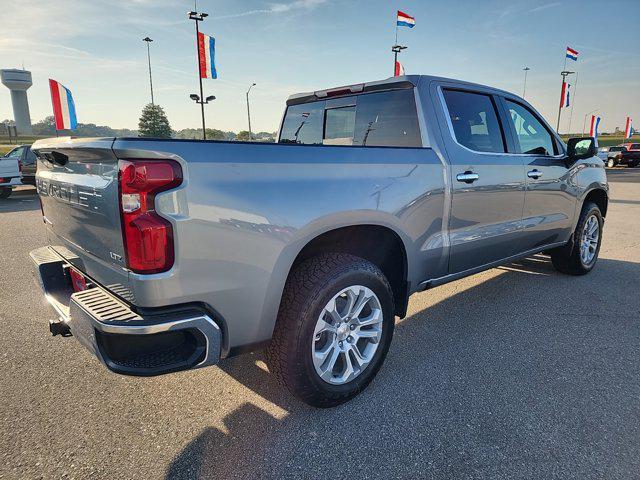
(567, 259)
(309, 287)
(5, 192)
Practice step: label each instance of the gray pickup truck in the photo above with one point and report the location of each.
(167, 255)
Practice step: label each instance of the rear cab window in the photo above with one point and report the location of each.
(388, 119)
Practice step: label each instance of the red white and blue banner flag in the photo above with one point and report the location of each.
(628, 129)
(565, 98)
(595, 123)
(405, 20)
(206, 56)
(399, 69)
(64, 110)
(572, 54)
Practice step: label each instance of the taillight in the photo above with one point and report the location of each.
(148, 238)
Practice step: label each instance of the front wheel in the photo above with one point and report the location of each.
(579, 256)
(5, 192)
(611, 163)
(334, 329)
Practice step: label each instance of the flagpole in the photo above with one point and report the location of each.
(196, 17)
(573, 102)
(395, 50)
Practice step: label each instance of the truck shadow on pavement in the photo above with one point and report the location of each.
(23, 200)
(528, 373)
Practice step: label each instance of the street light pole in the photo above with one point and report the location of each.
(524, 90)
(148, 41)
(197, 18)
(564, 74)
(396, 49)
(249, 111)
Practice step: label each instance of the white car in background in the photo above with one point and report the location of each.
(9, 176)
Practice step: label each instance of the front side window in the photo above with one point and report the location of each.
(532, 136)
(303, 124)
(475, 121)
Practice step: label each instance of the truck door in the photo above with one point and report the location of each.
(487, 182)
(550, 198)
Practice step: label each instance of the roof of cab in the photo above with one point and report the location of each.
(404, 81)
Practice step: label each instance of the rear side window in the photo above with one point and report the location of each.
(387, 119)
(531, 134)
(303, 124)
(635, 146)
(475, 121)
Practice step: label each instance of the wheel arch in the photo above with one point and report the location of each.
(381, 245)
(600, 197)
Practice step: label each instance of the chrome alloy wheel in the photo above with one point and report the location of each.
(347, 335)
(589, 240)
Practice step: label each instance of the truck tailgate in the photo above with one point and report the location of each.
(77, 181)
(9, 168)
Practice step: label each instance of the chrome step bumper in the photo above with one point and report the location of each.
(167, 340)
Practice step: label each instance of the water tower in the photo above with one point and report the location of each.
(18, 82)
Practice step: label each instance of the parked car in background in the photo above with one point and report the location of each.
(27, 162)
(621, 155)
(9, 175)
(603, 152)
(167, 255)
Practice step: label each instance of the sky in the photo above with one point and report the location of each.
(95, 48)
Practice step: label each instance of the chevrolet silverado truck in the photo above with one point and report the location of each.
(167, 255)
(623, 155)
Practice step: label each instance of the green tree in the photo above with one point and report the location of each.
(243, 136)
(154, 122)
(215, 134)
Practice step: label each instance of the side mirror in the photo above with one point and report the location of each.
(581, 147)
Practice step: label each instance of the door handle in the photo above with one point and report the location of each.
(467, 177)
(534, 174)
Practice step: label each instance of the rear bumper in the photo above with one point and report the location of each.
(169, 340)
(10, 181)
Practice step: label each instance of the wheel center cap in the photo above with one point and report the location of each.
(343, 331)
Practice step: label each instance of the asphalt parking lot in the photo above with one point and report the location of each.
(518, 372)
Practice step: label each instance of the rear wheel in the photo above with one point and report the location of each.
(579, 256)
(5, 192)
(334, 329)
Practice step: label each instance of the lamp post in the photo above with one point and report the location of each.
(197, 18)
(565, 74)
(249, 111)
(584, 124)
(198, 99)
(524, 90)
(148, 41)
(396, 49)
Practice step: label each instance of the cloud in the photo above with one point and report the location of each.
(544, 7)
(277, 8)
